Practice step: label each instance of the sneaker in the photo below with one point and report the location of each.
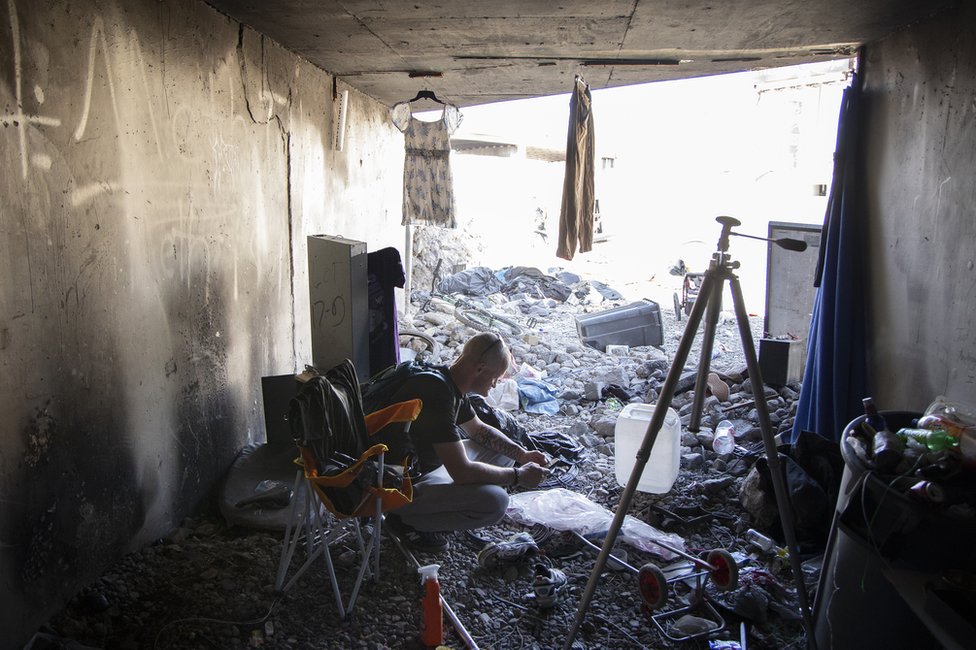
(547, 584)
(514, 548)
(415, 539)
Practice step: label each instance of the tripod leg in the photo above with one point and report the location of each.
(705, 360)
(650, 435)
(772, 457)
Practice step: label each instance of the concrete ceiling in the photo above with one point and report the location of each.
(483, 51)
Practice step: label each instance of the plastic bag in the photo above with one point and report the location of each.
(562, 509)
(526, 371)
(504, 395)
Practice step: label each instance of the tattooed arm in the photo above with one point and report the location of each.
(493, 439)
(464, 470)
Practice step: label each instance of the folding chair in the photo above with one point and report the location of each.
(341, 477)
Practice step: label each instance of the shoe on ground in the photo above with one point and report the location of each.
(514, 548)
(417, 540)
(547, 584)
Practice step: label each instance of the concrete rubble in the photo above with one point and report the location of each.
(206, 570)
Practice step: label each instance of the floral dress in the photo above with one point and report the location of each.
(428, 186)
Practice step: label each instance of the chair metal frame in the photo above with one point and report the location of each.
(319, 526)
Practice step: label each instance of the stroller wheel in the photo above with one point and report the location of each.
(725, 575)
(653, 586)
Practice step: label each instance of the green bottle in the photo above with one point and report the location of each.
(933, 439)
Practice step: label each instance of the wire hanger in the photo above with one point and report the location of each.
(426, 94)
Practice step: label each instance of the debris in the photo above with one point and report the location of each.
(161, 583)
(689, 625)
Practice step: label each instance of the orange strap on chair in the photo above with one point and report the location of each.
(400, 412)
(390, 497)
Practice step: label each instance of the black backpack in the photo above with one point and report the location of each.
(326, 416)
(378, 392)
(327, 419)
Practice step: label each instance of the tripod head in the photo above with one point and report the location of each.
(728, 223)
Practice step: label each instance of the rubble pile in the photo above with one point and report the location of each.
(209, 586)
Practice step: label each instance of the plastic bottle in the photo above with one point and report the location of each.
(933, 439)
(724, 440)
(957, 419)
(432, 621)
(967, 447)
(756, 538)
(886, 447)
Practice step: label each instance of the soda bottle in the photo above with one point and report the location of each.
(933, 439)
(886, 447)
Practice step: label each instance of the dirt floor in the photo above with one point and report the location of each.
(209, 585)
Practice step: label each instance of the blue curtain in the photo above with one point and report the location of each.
(835, 376)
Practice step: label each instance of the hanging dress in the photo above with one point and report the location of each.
(428, 186)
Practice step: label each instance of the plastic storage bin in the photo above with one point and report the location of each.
(635, 324)
(662, 465)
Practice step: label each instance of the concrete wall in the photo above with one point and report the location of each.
(921, 196)
(161, 167)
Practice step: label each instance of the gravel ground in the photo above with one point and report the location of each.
(208, 585)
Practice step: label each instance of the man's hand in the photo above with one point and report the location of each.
(537, 457)
(531, 474)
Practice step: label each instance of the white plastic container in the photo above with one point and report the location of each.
(662, 466)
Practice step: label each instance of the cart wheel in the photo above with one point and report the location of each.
(653, 586)
(725, 575)
(677, 306)
(689, 304)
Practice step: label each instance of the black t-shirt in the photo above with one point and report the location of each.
(444, 408)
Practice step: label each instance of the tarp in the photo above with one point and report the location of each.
(835, 377)
(477, 281)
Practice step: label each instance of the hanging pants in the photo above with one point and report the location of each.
(576, 212)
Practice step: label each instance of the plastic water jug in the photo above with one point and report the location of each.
(662, 466)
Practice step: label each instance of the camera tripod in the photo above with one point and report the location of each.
(721, 270)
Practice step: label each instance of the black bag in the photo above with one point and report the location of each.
(498, 418)
(378, 392)
(327, 418)
(812, 468)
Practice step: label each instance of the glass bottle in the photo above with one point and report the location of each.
(886, 447)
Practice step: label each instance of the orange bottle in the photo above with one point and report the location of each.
(432, 623)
